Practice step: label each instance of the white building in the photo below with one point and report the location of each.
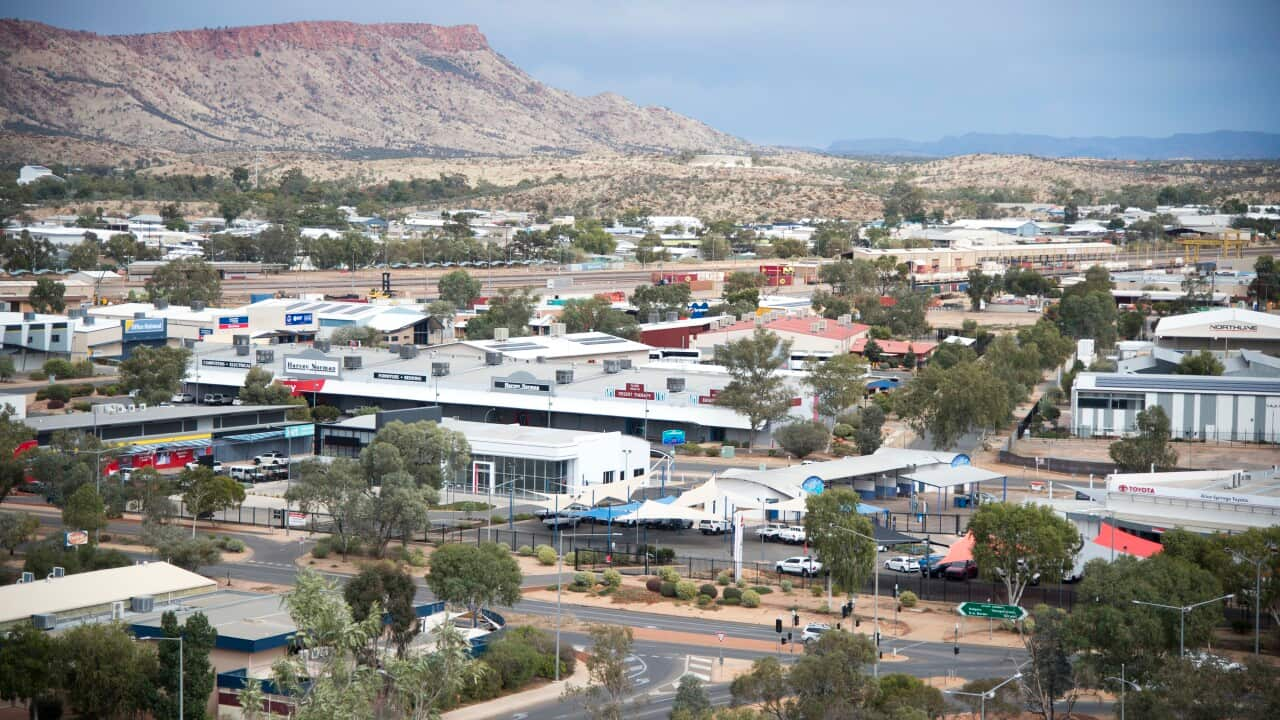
(31, 173)
(1222, 330)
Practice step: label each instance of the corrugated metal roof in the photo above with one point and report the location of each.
(99, 587)
(1188, 383)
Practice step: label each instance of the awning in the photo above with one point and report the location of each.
(255, 437)
(653, 510)
(613, 512)
(144, 448)
(947, 475)
(1125, 542)
(797, 505)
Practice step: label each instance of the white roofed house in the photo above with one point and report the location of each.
(31, 173)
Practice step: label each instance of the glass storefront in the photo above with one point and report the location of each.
(525, 475)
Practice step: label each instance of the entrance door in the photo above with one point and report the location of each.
(481, 477)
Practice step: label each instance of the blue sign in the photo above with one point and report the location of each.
(206, 331)
(297, 319)
(672, 437)
(233, 322)
(813, 485)
(144, 329)
(959, 460)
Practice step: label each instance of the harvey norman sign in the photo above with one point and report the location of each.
(1126, 487)
(299, 365)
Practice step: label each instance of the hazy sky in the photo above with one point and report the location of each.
(808, 73)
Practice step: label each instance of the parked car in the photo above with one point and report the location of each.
(215, 466)
(927, 563)
(793, 534)
(713, 527)
(1204, 659)
(216, 399)
(801, 565)
(271, 458)
(770, 531)
(182, 398)
(957, 570)
(813, 632)
(561, 521)
(903, 563)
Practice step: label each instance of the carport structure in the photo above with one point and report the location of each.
(959, 482)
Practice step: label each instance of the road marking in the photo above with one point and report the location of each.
(699, 667)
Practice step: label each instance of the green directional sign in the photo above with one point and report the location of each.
(991, 610)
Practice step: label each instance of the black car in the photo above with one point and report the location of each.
(954, 570)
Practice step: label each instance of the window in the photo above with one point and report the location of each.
(55, 338)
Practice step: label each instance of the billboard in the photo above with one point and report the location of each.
(521, 382)
(298, 319)
(144, 329)
(233, 322)
(75, 537)
(307, 365)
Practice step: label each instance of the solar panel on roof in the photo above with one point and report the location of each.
(354, 309)
(600, 341)
(517, 346)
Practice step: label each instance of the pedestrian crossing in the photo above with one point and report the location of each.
(699, 667)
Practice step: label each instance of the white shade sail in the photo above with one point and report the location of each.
(652, 510)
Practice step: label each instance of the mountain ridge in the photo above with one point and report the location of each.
(329, 86)
(1216, 145)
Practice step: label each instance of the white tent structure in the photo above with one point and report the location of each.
(652, 510)
(592, 495)
(715, 499)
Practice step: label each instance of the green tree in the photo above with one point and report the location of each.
(604, 698)
(597, 314)
(84, 511)
(590, 237)
(650, 249)
(789, 248)
(430, 452)
(981, 287)
(869, 434)
(1091, 315)
(28, 663)
(390, 589)
(206, 492)
(474, 576)
(155, 372)
(509, 308)
(47, 296)
(103, 673)
(84, 255)
(802, 438)
(837, 383)
(1051, 675)
(182, 282)
(336, 489)
(260, 389)
(1015, 544)
(661, 299)
(17, 529)
(240, 177)
(458, 288)
(947, 403)
(872, 351)
(1129, 324)
(1149, 448)
(28, 253)
(830, 523)
(278, 244)
(1004, 703)
(904, 200)
(830, 679)
(755, 388)
(765, 685)
(7, 369)
(400, 506)
(742, 291)
(714, 247)
(832, 239)
(1201, 363)
(1265, 287)
(232, 206)
(904, 696)
(691, 701)
(198, 675)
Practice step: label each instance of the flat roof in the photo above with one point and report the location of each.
(246, 622)
(550, 347)
(881, 461)
(70, 421)
(98, 587)
(513, 433)
(1139, 382)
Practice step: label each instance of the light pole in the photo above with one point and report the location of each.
(1123, 685)
(1183, 611)
(560, 575)
(181, 660)
(984, 696)
(875, 571)
(1257, 591)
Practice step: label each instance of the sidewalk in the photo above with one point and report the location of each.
(511, 704)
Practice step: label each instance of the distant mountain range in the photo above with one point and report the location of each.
(1218, 145)
(367, 90)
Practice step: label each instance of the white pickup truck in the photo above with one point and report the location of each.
(803, 566)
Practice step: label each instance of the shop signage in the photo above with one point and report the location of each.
(299, 431)
(298, 319)
(144, 329)
(75, 537)
(235, 364)
(233, 322)
(307, 365)
(206, 331)
(709, 398)
(521, 382)
(1125, 487)
(634, 391)
(672, 437)
(1233, 327)
(402, 377)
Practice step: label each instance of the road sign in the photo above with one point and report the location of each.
(991, 610)
(297, 431)
(720, 636)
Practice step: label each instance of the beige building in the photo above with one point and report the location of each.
(963, 257)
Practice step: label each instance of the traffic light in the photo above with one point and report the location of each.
(784, 640)
(845, 610)
(955, 649)
(857, 622)
(777, 625)
(795, 619)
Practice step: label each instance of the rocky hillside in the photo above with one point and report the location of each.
(334, 87)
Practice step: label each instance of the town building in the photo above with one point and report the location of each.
(1199, 407)
(809, 336)
(1220, 330)
(31, 173)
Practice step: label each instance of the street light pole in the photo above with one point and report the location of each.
(875, 571)
(181, 661)
(983, 697)
(1183, 611)
(1257, 593)
(1124, 684)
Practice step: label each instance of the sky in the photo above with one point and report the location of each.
(807, 73)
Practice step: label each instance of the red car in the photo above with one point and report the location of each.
(960, 570)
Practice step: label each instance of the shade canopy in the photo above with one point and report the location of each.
(654, 510)
(798, 505)
(711, 496)
(961, 550)
(1124, 542)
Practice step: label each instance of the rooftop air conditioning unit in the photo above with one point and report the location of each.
(746, 317)
(351, 362)
(240, 340)
(439, 369)
(27, 577)
(117, 610)
(564, 377)
(675, 384)
(242, 350)
(321, 345)
(75, 313)
(162, 304)
(197, 305)
(559, 329)
(142, 603)
(408, 352)
(266, 356)
(845, 320)
(672, 316)
(394, 348)
(541, 359)
(493, 358)
(44, 621)
(624, 363)
(502, 334)
(654, 316)
(612, 367)
(58, 571)
(139, 315)
(89, 319)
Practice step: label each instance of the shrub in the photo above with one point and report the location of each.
(711, 451)
(908, 599)
(584, 580)
(709, 590)
(514, 660)
(37, 375)
(81, 389)
(730, 601)
(321, 549)
(686, 590)
(59, 368)
(816, 591)
(762, 589)
(704, 600)
(669, 574)
(325, 413)
(732, 593)
(653, 584)
(786, 586)
(571, 558)
(487, 684)
(667, 589)
(57, 391)
(546, 555)
(689, 448)
(742, 584)
(56, 404)
(506, 547)
(228, 544)
(82, 406)
(524, 551)
(750, 599)
(612, 578)
(724, 578)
